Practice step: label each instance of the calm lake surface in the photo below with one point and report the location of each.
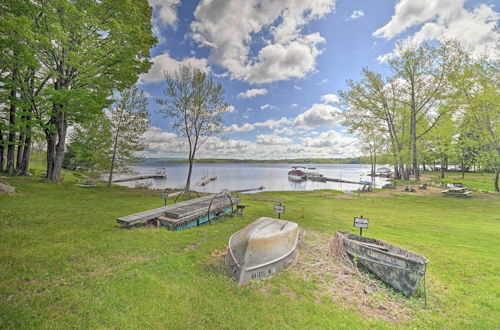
(235, 176)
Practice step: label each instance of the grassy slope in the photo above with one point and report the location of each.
(65, 264)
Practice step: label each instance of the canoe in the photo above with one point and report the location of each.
(263, 248)
(399, 268)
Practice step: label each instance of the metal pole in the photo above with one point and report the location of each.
(360, 231)
(425, 287)
(279, 214)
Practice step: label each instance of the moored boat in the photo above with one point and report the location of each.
(399, 268)
(263, 248)
(296, 175)
(161, 173)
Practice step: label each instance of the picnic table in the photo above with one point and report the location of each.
(457, 192)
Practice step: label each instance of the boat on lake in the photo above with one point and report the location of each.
(161, 173)
(263, 248)
(398, 267)
(296, 176)
(313, 174)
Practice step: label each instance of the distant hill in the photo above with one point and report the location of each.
(351, 160)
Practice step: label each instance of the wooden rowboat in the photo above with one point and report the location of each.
(399, 268)
(263, 248)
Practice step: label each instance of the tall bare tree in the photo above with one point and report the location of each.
(195, 103)
(129, 120)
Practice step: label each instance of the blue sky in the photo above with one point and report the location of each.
(282, 63)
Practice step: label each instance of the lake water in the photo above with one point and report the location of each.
(235, 176)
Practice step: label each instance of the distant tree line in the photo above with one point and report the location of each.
(60, 63)
(438, 105)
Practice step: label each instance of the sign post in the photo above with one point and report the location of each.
(164, 195)
(361, 223)
(278, 208)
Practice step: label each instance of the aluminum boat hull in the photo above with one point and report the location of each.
(397, 267)
(265, 247)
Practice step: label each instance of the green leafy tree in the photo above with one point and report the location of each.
(195, 103)
(478, 89)
(423, 72)
(372, 105)
(86, 49)
(91, 146)
(129, 121)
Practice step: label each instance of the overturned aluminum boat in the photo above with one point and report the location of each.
(263, 248)
(399, 268)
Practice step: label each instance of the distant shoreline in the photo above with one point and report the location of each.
(353, 161)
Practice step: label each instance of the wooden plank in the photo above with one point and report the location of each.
(141, 217)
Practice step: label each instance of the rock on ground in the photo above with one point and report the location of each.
(6, 188)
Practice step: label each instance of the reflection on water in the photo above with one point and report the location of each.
(235, 176)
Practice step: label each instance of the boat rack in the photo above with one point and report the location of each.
(187, 214)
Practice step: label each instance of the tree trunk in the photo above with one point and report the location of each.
(61, 143)
(20, 151)
(463, 168)
(2, 141)
(413, 133)
(25, 165)
(51, 138)
(113, 159)
(497, 174)
(188, 180)
(55, 146)
(442, 167)
(12, 134)
(112, 168)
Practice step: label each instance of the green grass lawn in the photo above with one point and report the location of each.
(64, 262)
(481, 181)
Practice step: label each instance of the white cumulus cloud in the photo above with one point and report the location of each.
(164, 63)
(272, 146)
(356, 14)
(272, 139)
(317, 115)
(252, 93)
(438, 19)
(330, 98)
(165, 11)
(287, 50)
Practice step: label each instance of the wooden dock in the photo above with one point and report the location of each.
(184, 214)
(345, 181)
(141, 177)
(206, 179)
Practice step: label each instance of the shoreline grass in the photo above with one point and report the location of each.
(66, 263)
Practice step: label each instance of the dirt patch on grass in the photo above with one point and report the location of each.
(431, 191)
(355, 290)
(343, 196)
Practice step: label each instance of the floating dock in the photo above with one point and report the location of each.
(206, 179)
(185, 214)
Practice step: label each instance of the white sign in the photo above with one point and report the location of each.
(164, 195)
(361, 222)
(279, 209)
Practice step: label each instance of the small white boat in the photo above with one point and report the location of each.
(263, 248)
(161, 173)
